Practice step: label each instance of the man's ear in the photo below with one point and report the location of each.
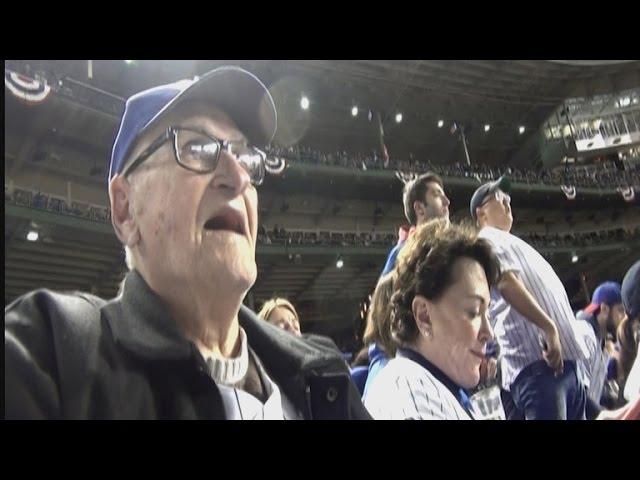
(480, 213)
(604, 309)
(122, 218)
(418, 208)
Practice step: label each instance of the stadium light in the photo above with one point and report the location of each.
(487, 127)
(304, 103)
(340, 262)
(440, 123)
(354, 111)
(32, 236)
(521, 129)
(398, 117)
(574, 258)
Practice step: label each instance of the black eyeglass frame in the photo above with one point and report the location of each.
(171, 133)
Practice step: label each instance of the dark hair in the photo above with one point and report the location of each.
(424, 267)
(416, 189)
(378, 328)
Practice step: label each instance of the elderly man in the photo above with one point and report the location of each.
(544, 359)
(177, 343)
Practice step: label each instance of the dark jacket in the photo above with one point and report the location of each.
(76, 356)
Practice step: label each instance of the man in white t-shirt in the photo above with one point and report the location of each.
(544, 359)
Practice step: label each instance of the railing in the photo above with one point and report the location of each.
(52, 203)
(604, 175)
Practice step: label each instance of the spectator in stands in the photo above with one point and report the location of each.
(440, 323)
(543, 357)
(604, 314)
(281, 313)
(628, 334)
(377, 333)
(423, 199)
(177, 343)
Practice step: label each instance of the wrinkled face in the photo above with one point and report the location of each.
(195, 229)
(284, 318)
(436, 203)
(460, 324)
(496, 211)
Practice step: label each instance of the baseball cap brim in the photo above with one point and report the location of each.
(239, 94)
(503, 183)
(592, 308)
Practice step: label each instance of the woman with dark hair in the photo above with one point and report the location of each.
(439, 322)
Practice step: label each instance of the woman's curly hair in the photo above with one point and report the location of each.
(425, 266)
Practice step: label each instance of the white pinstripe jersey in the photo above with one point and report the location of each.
(597, 367)
(405, 390)
(517, 336)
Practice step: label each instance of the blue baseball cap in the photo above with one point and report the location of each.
(237, 92)
(503, 183)
(608, 293)
(631, 291)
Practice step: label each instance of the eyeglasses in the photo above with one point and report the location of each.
(499, 195)
(199, 152)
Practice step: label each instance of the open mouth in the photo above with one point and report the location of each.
(226, 220)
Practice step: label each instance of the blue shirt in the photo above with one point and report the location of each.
(378, 359)
(391, 259)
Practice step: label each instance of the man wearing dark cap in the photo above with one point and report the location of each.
(605, 312)
(177, 342)
(628, 332)
(543, 360)
(603, 315)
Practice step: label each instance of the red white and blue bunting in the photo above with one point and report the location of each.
(29, 90)
(627, 193)
(569, 191)
(275, 165)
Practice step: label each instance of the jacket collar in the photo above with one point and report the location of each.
(140, 322)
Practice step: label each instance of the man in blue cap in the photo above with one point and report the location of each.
(603, 315)
(543, 359)
(177, 343)
(605, 312)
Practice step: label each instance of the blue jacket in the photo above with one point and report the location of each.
(391, 259)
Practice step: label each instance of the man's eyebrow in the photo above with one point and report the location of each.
(238, 138)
